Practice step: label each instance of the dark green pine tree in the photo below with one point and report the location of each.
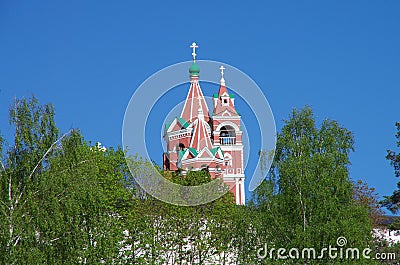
(392, 202)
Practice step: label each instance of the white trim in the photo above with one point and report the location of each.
(237, 191)
(232, 124)
(236, 117)
(239, 133)
(237, 147)
(243, 193)
(176, 134)
(207, 135)
(190, 160)
(185, 155)
(228, 158)
(205, 149)
(231, 177)
(227, 113)
(225, 94)
(196, 85)
(223, 103)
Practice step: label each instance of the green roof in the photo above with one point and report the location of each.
(167, 125)
(215, 95)
(183, 122)
(194, 69)
(231, 96)
(193, 151)
(190, 149)
(215, 150)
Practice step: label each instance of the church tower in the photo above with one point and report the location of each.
(196, 140)
(228, 136)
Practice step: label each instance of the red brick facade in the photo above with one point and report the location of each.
(198, 140)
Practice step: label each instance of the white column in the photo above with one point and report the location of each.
(242, 191)
(237, 196)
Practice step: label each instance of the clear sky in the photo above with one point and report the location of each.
(87, 57)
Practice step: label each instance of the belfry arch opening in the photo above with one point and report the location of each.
(227, 135)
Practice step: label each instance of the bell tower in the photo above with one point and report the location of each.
(197, 140)
(227, 134)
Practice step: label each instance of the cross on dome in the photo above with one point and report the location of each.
(222, 68)
(194, 46)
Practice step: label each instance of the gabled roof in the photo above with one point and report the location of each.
(193, 151)
(187, 153)
(222, 90)
(225, 111)
(216, 150)
(205, 152)
(184, 154)
(177, 124)
(222, 95)
(183, 122)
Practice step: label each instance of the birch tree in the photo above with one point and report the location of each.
(59, 196)
(313, 203)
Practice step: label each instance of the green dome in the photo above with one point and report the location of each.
(194, 69)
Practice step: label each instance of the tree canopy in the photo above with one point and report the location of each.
(392, 202)
(65, 200)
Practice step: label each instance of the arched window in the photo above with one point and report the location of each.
(227, 135)
(204, 167)
(228, 160)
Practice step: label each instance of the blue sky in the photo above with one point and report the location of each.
(87, 57)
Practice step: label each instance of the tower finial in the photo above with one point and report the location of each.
(194, 46)
(200, 112)
(222, 68)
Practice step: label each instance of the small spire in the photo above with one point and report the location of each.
(200, 112)
(222, 68)
(194, 46)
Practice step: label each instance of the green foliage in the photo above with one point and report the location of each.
(34, 133)
(60, 198)
(368, 198)
(309, 196)
(392, 202)
(65, 201)
(395, 225)
(2, 167)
